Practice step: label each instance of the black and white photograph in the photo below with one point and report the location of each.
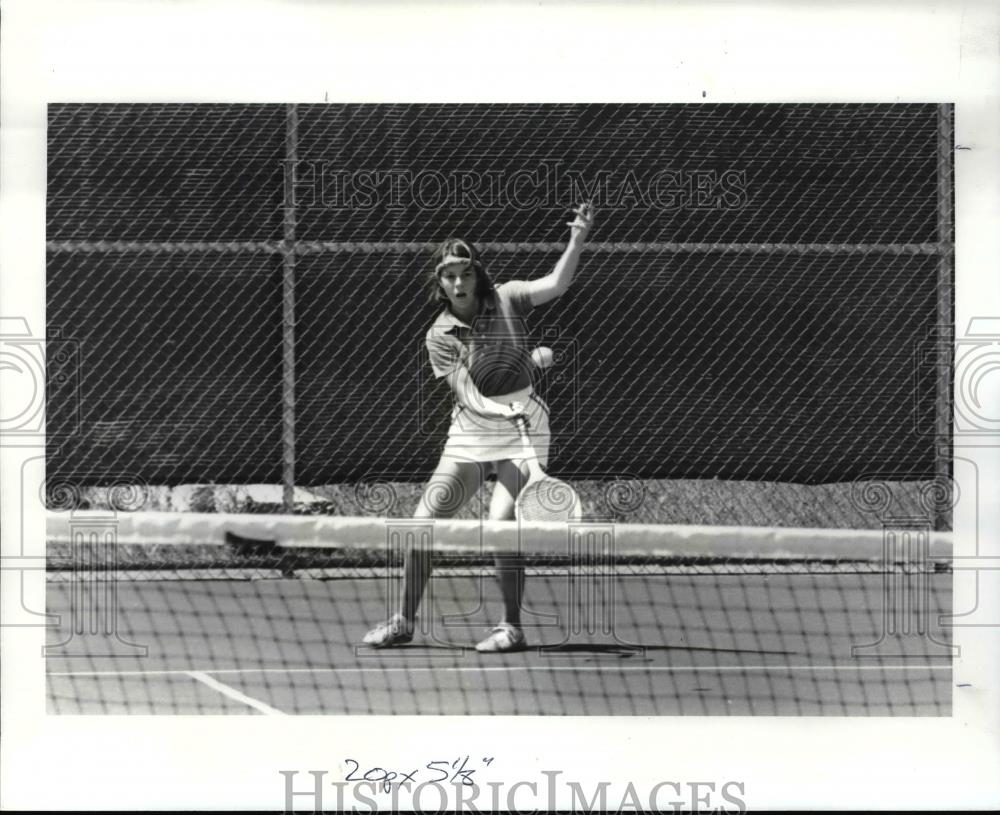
(551, 407)
(500, 409)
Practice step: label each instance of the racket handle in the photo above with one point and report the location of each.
(520, 422)
(522, 429)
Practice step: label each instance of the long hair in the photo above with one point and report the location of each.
(456, 249)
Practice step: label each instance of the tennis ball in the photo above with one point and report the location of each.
(542, 356)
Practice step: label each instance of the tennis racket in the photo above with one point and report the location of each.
(543, 498)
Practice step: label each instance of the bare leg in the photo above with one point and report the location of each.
(510, 568)
(453, 483)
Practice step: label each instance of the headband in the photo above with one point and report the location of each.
(455, 260)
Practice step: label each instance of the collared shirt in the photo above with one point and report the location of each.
(494, 347)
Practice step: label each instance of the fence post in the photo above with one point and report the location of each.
(288, 316)
(945, 308)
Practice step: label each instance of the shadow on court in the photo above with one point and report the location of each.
(655, 645)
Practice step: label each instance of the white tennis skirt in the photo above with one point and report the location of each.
(473, 437)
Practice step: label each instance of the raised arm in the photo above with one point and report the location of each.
(557, 281)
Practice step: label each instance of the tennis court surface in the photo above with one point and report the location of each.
(158, 614)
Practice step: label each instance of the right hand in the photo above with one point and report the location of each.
(517, 410)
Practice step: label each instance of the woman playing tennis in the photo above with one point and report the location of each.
(478, 345)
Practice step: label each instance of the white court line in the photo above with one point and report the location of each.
(506, 668)
(232, 693)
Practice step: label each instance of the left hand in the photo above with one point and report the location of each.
(580, 226)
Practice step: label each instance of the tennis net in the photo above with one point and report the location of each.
(176, 613)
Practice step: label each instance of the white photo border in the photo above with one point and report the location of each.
(301, 51)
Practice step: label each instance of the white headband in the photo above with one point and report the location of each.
(452, 260)
(455, 260)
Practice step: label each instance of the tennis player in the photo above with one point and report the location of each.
(478, 345)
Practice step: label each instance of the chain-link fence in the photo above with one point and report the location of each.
(766, 297)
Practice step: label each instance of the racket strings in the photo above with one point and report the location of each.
(548, 499)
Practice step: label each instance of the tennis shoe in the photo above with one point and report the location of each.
(397, 630)
(505, 637)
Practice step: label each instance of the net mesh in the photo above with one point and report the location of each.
(763, 299)
(165, 613)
